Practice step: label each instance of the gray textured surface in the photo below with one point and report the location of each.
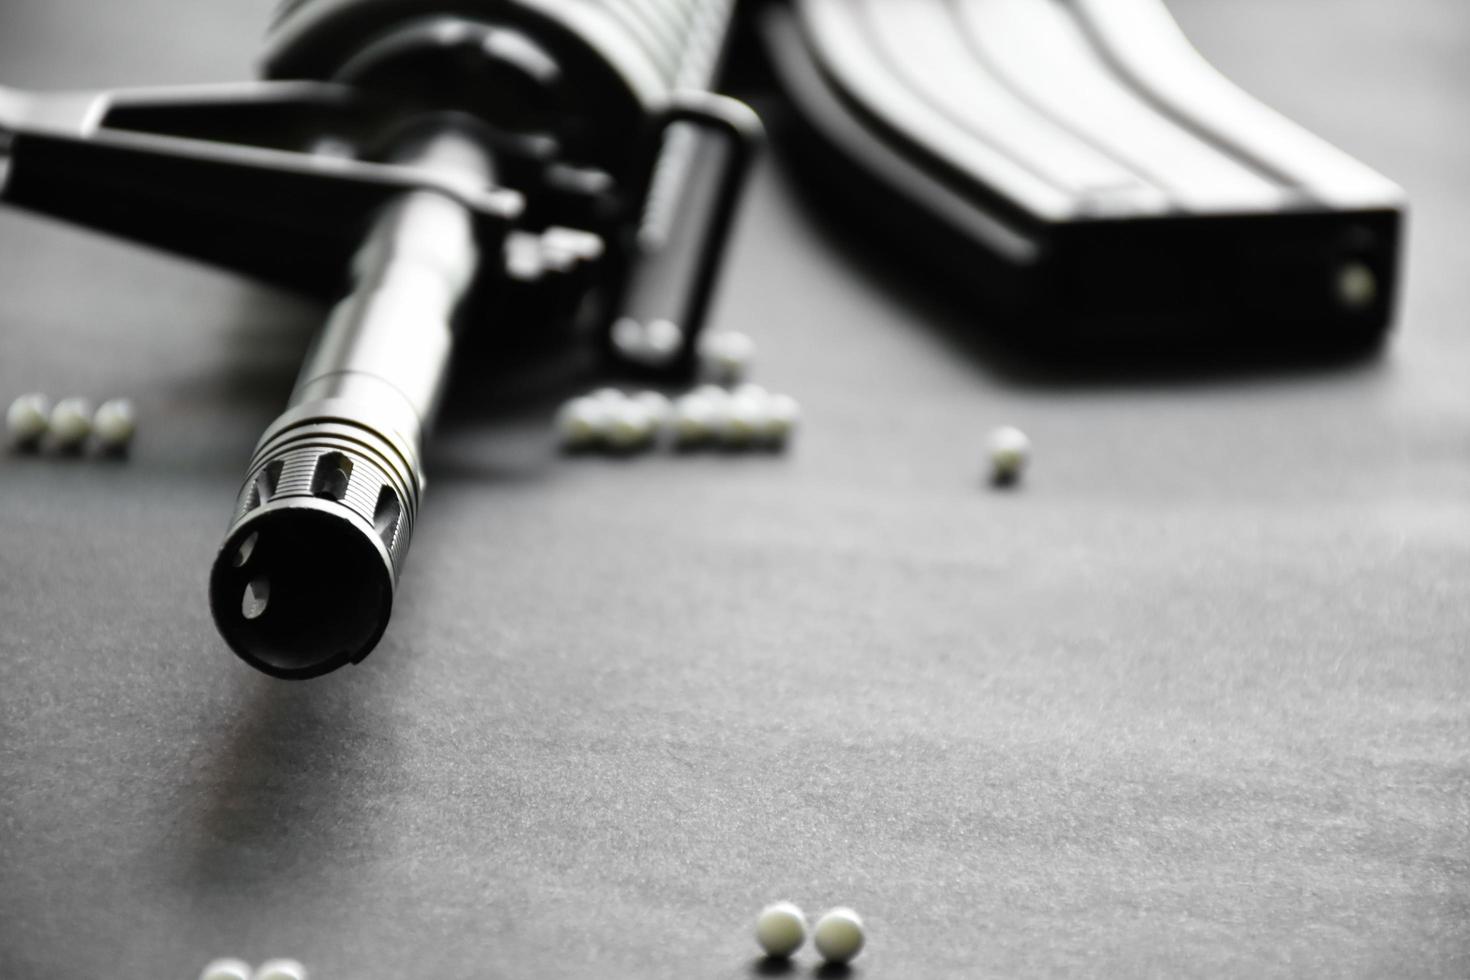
(1192, 702)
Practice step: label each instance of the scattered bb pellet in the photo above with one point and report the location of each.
(783, 415)
(630, 425)
(27, 419)
(695, 418)
(659, 408)
(839, 935)
(70, 422)
(280, 970)
(580, 422)
(114, 424)
(726, 355)
(1010, 451)
(227, 968)
(780, 929)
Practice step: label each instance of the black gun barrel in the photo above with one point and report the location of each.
(405, 154)
(304, 582)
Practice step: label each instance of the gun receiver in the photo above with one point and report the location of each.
(415, 164)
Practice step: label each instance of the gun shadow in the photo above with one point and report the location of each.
(286, 788)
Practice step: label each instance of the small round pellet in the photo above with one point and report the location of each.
(839, 935)
(226, 969)
(718, 409)
(627, 336)
(656, 343)
(712, 391)
(694, 420)
(658, 407)
(726, 355)
(115, 424)
(783, 414)
(664, 339)
(281, 970)
(629, 425)
(609, 398)
(581, 422)
(27, 418)
(780, 929)
(744, 420)
(71, 422)
(1010, 451)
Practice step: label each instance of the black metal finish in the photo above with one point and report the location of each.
(305, 579)
(420, 164)
(407, 160)
(1079, 170)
